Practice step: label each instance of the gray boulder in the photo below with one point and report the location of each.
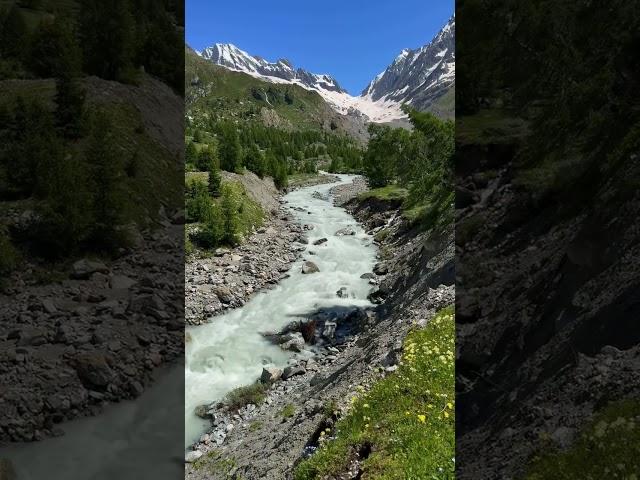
(270, 374)
(345, 232)
(309, 267)
(293, 342)
(84, 268)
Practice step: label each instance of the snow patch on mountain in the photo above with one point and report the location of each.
(416, 77)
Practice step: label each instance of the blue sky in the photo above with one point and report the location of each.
(353, 40)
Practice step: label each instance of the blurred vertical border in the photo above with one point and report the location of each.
(547, 190)
(91, 239)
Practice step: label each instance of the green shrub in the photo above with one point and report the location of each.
(242, 396)
(608, 447)
(8, 253)
(288, 411)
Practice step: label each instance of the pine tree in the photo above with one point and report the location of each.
(54, 49)
(230, 149)
(229, 206)
(69, 106)
(191, 154)
(14, 33)
(108, 46)
(111, 204)
(215, 181)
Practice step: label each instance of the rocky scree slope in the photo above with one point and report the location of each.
(413, 281)
(93, 331)
(575, 318)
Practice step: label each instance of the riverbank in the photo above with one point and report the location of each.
(103, 326)
(303, 401)
(219, 281)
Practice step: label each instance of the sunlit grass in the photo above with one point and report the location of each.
(406, 418)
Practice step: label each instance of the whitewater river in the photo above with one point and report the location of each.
(230, 352)
(220, 356)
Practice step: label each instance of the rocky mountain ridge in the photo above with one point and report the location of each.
(230, 56)
(420, 78)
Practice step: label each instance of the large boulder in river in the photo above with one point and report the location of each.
(270, 374)
(293, 342)
(343, 292)
(320, 241)
(309, 267)
(329, 330)
(345, 231)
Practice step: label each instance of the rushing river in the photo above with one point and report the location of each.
(230, 352)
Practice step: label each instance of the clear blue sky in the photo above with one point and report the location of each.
(353, 40)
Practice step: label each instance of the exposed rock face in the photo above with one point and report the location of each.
(230, 56)
(547, 306)
(419, 77)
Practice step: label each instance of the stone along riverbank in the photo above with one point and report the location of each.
(326, 281)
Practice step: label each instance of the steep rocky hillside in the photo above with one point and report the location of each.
(420, 77)
(104, 325)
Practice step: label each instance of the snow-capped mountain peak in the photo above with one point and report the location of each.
(230, 56)
(416, 77)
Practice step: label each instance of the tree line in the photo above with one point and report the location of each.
(266, 151)
(420, 160)
(96, 37)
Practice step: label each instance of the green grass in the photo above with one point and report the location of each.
(489, 126)
(407, 418)
(213, 463)
(230, 95)
(288, 411)
(609, 447)
(241, 396)
(255, 426)
(390, 192)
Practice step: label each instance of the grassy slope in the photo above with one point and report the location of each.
(407, 419)
(250, 216)
(444, 107)
(609, 447)
(229, 94)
